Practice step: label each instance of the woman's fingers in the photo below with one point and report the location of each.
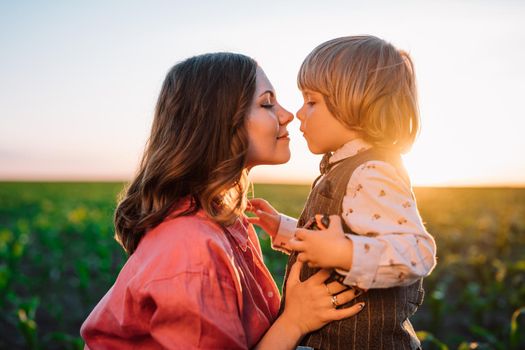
(339, 314)
(301, 257)
(346, 296)
(295, 271)
(319, 277)
(336, 287)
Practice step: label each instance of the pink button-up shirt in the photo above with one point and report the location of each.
(190, 284)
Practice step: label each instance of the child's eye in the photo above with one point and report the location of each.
(308, 101)
(267, 105)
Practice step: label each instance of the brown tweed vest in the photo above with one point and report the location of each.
(383, 323)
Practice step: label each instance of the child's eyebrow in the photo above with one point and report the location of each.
(309, 93)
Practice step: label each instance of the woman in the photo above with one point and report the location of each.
(195, 276)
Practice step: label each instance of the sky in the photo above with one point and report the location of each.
(79, 80)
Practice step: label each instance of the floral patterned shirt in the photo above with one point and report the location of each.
(392, 246)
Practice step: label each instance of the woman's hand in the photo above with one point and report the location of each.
(309, 306)
(312, 304)
(327, 248)
(266, 216)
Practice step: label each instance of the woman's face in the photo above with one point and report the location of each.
(266, 126)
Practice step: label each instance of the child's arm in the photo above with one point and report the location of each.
(392, 246)
(278, 226)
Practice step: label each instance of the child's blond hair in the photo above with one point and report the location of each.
(368, 85)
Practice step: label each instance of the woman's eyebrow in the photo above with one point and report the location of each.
(272, 94)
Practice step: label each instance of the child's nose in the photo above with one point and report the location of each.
(299, 114)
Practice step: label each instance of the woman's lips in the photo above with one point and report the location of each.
(285, 136)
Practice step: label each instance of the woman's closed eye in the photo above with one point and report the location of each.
(267, 103)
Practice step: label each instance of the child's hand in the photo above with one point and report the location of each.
(324, 248)
(267, 217)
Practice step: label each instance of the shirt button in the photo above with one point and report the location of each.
(270, 294)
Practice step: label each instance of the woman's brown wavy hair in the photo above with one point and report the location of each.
(197, 147)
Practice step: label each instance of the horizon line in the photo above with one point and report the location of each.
(510, 185)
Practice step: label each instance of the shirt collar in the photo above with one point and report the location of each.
(239, 232)
(350, 149)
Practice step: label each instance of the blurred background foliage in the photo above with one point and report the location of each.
(58, 258)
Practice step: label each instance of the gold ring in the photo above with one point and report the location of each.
(328, 289)
(334, 301)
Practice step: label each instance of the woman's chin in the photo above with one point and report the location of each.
(285, 158)
(278, 161)
(280, 157)
(273, 161)
(285, 161)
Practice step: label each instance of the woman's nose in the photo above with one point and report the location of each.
(285, 116)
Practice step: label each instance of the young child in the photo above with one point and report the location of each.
(360, 110)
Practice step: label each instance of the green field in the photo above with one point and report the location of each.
(58, 258)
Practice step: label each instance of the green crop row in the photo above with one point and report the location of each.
(58, 258)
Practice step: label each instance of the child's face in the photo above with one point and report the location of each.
(322, 131)
(266, 126)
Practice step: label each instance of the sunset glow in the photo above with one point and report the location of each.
(79, 84)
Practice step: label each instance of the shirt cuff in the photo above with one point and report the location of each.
(367, 254)
(286, 230)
